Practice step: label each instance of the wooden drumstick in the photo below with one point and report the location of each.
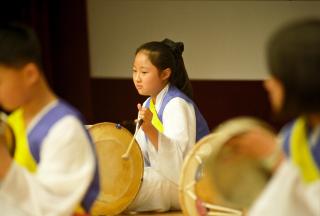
(215, 210)
(126, 154)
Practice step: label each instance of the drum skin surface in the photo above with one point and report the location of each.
(228, 169)
(120, 179)
(187, 184)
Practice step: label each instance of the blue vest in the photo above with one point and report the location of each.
(202, 128)
(299, 149)
(40, 131)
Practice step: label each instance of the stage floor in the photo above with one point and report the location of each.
(173, 213)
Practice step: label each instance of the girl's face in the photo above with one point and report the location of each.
(149, 81)
(13, 88)
(276, 93)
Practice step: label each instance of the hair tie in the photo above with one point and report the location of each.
(176, 47)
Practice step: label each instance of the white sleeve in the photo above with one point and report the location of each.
(287, 194)
(178, 137)
(64, 173)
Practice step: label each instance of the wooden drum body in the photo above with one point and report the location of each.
(120, 179)
(226, 170)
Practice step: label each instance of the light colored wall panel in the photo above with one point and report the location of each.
(223, 39)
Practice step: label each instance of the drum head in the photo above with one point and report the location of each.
(228, 168)
(120, 179)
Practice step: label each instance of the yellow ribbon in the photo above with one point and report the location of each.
(301, 154)
(22, 153)
(155, 119)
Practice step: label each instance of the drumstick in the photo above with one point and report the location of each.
(227, 210)
(211, 213)
(216, 209)
(126, 154)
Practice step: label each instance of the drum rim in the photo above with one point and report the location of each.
(109, 208)
(221, 134)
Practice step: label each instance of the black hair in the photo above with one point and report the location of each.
(168, 54)
(294, 59)
(19, 46)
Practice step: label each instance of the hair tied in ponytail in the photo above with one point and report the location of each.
(176, 47)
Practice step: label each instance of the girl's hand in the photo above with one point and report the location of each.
(146, 115)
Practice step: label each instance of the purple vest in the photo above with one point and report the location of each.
(287, 133)
(202, 128)
(40, 131)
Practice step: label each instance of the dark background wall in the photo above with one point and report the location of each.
(115, 100)
(62, 29)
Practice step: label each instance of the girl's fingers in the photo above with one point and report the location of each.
(141, 112)
(139, 106)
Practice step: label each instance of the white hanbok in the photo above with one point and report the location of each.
(63, 175)
(294, 190)
(288, 195)
(159, 191)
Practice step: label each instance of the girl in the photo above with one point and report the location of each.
(294, 88)
(171, 124)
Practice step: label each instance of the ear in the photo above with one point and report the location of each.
(273, 84)
(165, 75)
(276, 92)
(31, 73)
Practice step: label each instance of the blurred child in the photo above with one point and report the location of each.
(53, 168)
(294, 88)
